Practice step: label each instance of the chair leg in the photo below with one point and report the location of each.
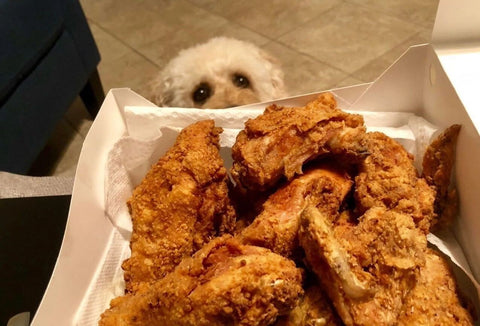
(92, 94)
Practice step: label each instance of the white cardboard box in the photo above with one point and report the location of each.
(440, 82)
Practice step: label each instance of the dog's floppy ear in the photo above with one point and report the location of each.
(161, 91)
(276, 74)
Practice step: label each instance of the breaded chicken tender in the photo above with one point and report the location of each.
(180, 205)
(224, 283)
(277, 143)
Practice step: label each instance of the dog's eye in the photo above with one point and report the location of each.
(201, 93)
(240, 81)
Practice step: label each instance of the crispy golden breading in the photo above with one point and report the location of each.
(180, 205)
(367, 269)
(278, 142)
(437, 166)
(224, 283)
(387, 178)
(277, 225)
(434, 299)
(314, 309)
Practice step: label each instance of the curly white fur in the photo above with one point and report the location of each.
(215, 63)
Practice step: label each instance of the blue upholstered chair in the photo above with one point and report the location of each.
(47, 57)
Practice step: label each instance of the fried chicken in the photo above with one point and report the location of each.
(314, 309)
(278, 142)
(434, 299)
(387, 178)
(372, 261)
(224, 283)
(180, 205)
(437, 166)
(367, 269)
(372, 265)
(276, 227)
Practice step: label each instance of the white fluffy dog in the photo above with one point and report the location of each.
(220, 73)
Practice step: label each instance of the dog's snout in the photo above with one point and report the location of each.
(231, 97)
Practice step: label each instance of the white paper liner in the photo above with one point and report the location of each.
(152, 131)
(448, 245)
(107, 284)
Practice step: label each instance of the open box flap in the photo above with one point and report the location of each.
(86, 210)
(456, 41)
(399, 88)
(456, 48)
(457, 22)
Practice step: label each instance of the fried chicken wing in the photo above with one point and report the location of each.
(224, 283)
(278, 142)
(434, 299)
(437, 166)
(276, 227)
(367, 269)
(179, 206)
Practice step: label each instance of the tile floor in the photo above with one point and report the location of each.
(321, 44)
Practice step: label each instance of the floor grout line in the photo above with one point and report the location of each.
(378, 57)
(312, 57)
(228, 20)
(386, 13)
(122, 42)
(369, 62)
